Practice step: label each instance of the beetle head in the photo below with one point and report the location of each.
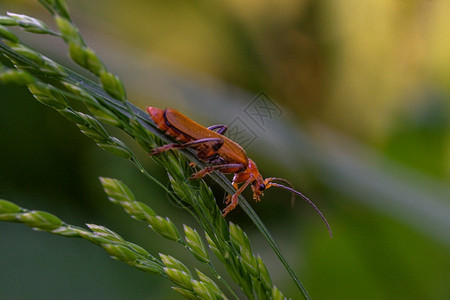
(258, 184)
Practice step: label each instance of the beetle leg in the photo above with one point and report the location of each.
(217, 143)
(220, 129)
(210, 169)
(228, 198)
(233, 200)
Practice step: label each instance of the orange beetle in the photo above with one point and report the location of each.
(221, 153)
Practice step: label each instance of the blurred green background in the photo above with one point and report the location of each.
(364, 88)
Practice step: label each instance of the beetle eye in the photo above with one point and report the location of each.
(262, 187)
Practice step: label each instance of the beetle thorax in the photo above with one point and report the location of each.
(250, 172)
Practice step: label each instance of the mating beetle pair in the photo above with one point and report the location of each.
(220, 153)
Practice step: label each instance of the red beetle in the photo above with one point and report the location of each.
(221, 153)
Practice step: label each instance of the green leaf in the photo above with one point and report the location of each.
(148, 266)
(8, 35)
(202, 290)
(116, 190)
(15, 76)
(249, 261)
(40, 220)
(239, 238)
(69, 32)
(85, 57)
(48, 96)
(195, 244)
(30, 24)
(277, 294)
(215, 249)
(210, 283)
(115, 149)
(8, 207)
(185, 293)
(112, 85)
(105, 233)
(72, 115)
(164, 227)
(264, 273)
(180, 278)
(173, 263)
(8, 21)
(56, 6)
(120, 252)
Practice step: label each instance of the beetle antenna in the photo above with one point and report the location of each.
(307, 200)
(288, 183)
